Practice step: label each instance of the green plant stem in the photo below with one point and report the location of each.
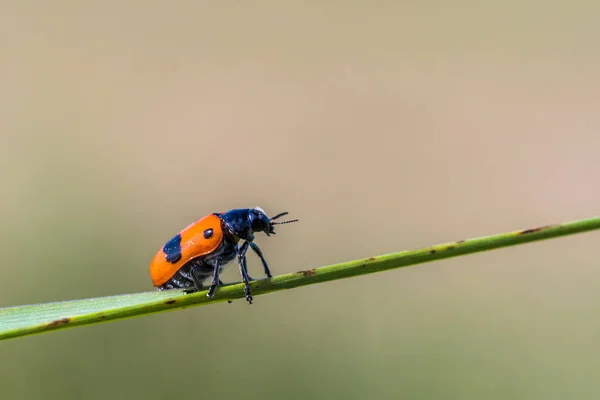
(29, 319)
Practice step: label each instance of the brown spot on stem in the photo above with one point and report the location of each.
(372, 259)
(526, 231)
(59, 322)
(432, 251)
(170, 301)
(308, 272)
(460, 241)
(450, 247)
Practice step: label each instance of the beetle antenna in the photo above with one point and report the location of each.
(279, 215)
(284, 222)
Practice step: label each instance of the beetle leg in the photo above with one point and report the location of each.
(250, 279)
(262, 259)
(197, 281)
(244, 270)
(215, 281)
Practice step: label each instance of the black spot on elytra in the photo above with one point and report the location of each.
(208, 233)
(170, 302)
(172, 249)
(59, 322)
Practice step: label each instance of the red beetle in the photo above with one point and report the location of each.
(202, 249)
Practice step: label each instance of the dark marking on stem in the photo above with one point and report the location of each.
(229, 301)
(460, 241)
(451, 247)
(59, 322)
(534, 230)
(170, 301)
(308, 272)
(372, 259)
(432, 251)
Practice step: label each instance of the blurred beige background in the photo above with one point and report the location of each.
(383, 126)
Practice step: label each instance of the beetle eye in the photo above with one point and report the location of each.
(258, 225)
(208, 233)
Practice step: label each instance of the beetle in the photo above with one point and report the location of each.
(203, 248)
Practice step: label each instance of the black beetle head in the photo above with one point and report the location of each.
(259, 222)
